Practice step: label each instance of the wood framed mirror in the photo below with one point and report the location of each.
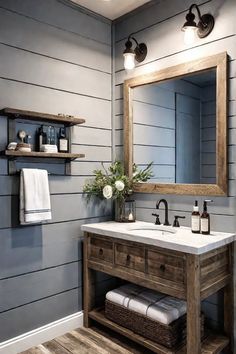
(177, 118)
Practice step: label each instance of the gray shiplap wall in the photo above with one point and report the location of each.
(154, 140)
(159, 26)
(54, 58)
(208, 134)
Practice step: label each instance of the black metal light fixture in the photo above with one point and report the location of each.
(203, 28)
(139, 53)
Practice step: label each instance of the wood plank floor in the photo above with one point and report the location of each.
(88, 341)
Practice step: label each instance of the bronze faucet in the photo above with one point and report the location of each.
(166, 210)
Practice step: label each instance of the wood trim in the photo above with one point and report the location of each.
(193, 305)
(218, 61)
(177, 188)
(215, 285)
(58, 155)
(142, 279)
(31, 115)
(89, 282)
(229, 302)
(128, 129)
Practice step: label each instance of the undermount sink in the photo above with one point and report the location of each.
(154, 229)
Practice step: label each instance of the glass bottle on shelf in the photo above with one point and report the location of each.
(63, 143)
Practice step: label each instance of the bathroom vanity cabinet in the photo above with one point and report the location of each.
(169, 263)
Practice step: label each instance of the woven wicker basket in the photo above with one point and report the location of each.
(172, 335)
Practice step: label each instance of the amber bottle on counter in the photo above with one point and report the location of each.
(195, 219)
(205, 219)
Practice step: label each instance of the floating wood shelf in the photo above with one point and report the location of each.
(12, 156)
(213, 344)
(58, 155)
(18, 113)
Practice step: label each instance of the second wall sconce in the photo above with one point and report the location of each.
(203, 28)
(139, 53)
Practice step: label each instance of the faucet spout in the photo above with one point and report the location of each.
(164, 201)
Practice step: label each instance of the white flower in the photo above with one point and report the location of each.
(119, 185)
(107, 192)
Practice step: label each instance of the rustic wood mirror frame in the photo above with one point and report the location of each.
(219, 62)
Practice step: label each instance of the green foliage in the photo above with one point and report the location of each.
(116, 173)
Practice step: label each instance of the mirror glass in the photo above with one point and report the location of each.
(174, 125)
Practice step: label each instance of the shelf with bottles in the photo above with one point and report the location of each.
(48, 137)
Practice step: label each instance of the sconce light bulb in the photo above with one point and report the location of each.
(190, 35)
(129, 61)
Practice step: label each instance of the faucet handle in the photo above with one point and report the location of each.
(157, 219)
(176, 221)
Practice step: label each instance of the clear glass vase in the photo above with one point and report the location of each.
(125, 210)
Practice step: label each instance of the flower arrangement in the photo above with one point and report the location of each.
(113, 183)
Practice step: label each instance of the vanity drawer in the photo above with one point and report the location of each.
(130, 257)
(100, 249)
(166, 265)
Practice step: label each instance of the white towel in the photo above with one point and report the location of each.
(35, 205)
(167, 310)
(157, 306)
(144, 300)
(123, 294)
(49, 148)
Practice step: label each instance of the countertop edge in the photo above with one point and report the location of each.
(162, 244)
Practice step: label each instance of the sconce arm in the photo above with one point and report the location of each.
(131, 37)
(198, 12)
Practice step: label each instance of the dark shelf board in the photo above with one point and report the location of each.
(59, 155)
(212, 344)
(39, 116)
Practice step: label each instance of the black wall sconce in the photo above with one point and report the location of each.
(139, 53)
(203, 28)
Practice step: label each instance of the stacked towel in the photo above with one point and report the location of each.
(49, 148)
(167, 310)
(159, 307)
(123, 294)
(144, 300)
(35, 205)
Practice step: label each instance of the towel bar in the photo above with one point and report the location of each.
(19, 171)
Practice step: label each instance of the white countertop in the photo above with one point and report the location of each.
(182, 240)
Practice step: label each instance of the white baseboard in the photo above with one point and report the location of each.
(42, 334)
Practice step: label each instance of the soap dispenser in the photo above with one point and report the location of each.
(205, 219)
(195, 219)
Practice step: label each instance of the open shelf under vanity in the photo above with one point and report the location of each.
(212, 343)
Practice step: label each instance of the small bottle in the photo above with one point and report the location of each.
(51, 138)
(205, 219)
(195, 219)
(63, 144)
(40, 138)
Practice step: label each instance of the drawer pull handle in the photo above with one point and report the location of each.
(162, 267)
(101, 252)
(128, 258)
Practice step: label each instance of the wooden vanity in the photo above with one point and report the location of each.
(192, 273)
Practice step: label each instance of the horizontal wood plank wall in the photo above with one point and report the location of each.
(55, 58)
(152, 138)
(208, 134)
(159, 26)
